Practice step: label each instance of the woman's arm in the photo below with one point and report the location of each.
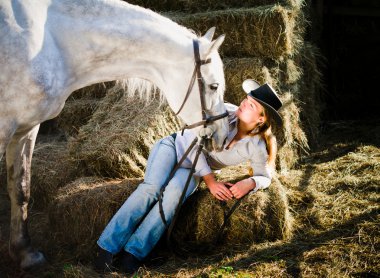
(262, 175)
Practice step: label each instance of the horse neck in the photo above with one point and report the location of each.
(108, 40)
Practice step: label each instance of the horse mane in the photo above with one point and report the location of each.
(137, 87)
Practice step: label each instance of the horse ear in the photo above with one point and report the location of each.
(209, 34)
(216, 44)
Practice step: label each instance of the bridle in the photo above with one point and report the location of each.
(206, 120)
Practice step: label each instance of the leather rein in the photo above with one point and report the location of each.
(206, 120)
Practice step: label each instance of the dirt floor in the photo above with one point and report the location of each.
(334, 197)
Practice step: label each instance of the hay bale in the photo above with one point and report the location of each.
(83, 208)
(266, 31)
(51, 169)
(291, 138)
(261, 216)
(239, 69)
(283, 75)
(311, 90)
(75, 114)
(191, 6)
(116, 141)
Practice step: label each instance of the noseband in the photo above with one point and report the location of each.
(202, 91)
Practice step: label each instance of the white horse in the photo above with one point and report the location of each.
(50, 48)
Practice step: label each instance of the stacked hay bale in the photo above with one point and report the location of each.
(261, 216)
(80, 106)
(82, 209)
(52, 168)
(116, 141)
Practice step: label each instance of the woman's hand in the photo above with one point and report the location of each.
(218, 189)
(241, 188)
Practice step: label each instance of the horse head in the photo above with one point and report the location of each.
(202, 108)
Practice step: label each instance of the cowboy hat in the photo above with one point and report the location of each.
(266, 96)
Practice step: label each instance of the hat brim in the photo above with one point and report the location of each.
(250, 85)
(273, 113)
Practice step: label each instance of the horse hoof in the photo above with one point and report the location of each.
(32, 260)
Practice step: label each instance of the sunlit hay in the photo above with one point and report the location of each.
(352, 253)
(75, 114)
(80, 271)
(288, 74)
(284, 74)
(340, 258)
(116, 141)
(291, 182)
(51, 169)
(291, 138)
(239, 69)
(261, 216)
(265, 31)
(278, 218)
(82, 209)
(264, 216)
(191, 6)
(311, 88)
(95, 91)
(356, 173)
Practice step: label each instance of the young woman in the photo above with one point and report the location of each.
(137, 226)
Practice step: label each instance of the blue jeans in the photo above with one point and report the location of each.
(137, 226)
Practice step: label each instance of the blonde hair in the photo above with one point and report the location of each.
(265, 132)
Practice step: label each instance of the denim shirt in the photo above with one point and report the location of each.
(250, 148)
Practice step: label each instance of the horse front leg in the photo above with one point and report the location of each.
(18, 157)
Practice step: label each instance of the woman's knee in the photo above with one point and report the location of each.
(148, 189)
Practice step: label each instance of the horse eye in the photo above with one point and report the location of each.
(214, 86)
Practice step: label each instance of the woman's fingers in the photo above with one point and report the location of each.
(226, 192)
(222, 192)
(224, 196)
(218, 197)
(236, 192)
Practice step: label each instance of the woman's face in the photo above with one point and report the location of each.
(250, 111)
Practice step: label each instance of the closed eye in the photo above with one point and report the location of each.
(214, 86)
